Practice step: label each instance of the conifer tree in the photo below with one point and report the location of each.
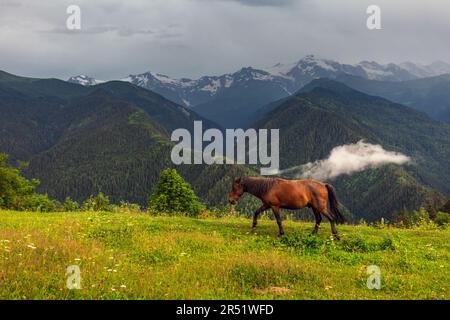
(174, 195)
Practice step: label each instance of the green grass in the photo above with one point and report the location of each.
(137, 256)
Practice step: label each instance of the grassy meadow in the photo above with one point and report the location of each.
(139, 256)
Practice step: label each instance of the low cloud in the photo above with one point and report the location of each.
(346, 160)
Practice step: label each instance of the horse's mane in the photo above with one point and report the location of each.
(258, 186)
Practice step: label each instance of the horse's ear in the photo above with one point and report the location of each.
(238, 180)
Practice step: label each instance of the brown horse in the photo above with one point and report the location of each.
(279, 194)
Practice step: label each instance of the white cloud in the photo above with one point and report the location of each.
(346, 160)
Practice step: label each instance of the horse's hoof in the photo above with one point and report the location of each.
(336, 237)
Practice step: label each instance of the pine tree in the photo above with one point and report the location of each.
(174, 195)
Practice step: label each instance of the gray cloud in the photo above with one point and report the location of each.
(123, 32)
(264, 3)
(90, 30)
(190, 38)
(10, 3)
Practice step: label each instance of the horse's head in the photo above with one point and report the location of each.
(236, 191)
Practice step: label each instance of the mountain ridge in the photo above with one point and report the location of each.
(220, 97)
(429, 95)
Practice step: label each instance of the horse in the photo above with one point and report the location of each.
(277, 193)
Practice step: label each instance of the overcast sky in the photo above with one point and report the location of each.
(190, 38)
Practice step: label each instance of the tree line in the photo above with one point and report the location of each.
(171, 195)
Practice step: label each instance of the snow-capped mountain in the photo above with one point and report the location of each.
(311, 67)
(387, 72)
(194, 92)
(288, 77)
(250, 88)
(84, 80)
(422, 71)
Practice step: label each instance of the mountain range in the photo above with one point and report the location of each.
(231, 100)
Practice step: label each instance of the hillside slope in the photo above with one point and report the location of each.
(429, 95)
(113, 137)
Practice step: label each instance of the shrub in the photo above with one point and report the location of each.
(442, 218)
(173, 194)
(70, 205)
(38, 202)
(125, 206)
(387, 243)
(309, 243)
(98, 203)
(356, 244)
(421, 219)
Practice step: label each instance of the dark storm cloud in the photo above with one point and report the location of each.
(190, 38)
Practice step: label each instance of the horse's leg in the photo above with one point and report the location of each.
(263, 208)
(276, 212)
(327, 214)
(318, 220)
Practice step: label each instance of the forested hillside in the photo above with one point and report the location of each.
(111, 138)
(429, 95)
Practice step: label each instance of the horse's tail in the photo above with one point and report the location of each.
(334, 205)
